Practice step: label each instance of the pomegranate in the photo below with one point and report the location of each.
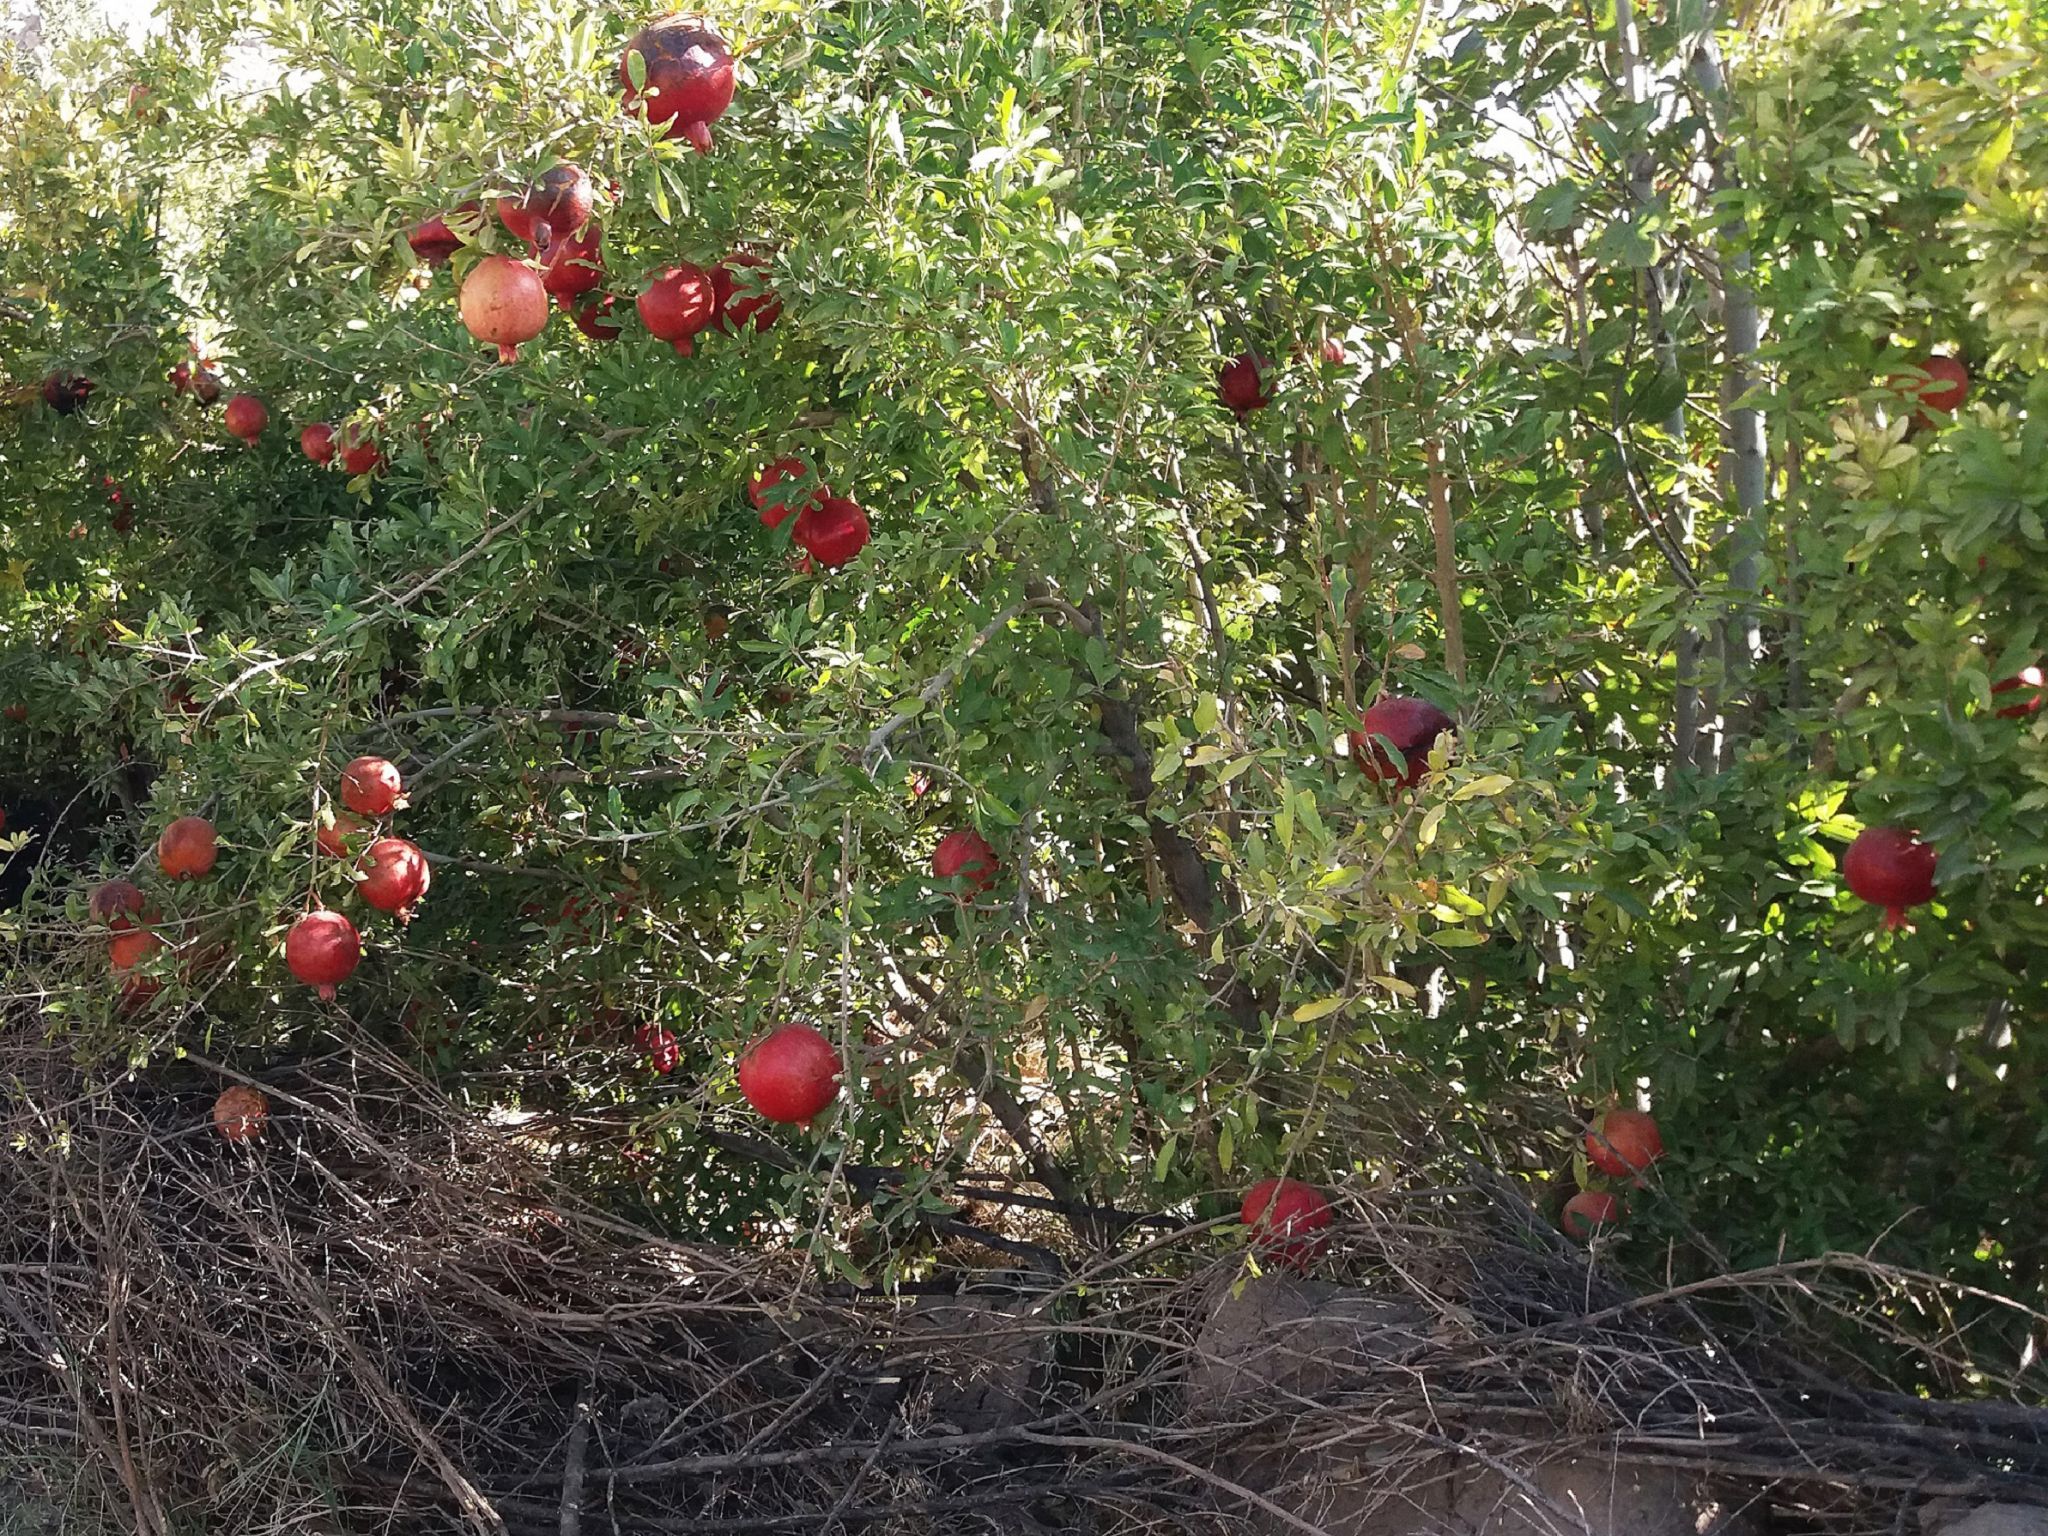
(64, 393)
(332, 837)
(593, 318)
(240, 1113)
(1243, 385)
(791, 1076)
(678, 305)
(2030, 678)
(317, 442)
(114, 902)
(775, 510)
(136, 992)
(664, 1054)
(832, 530)
(206, 385)
(187, 849)
(557, 203)
(504, 303)
(124, 520)
(570, 264)
(687, 76)
(717, 625)
(744, 300)
(1890, 867)
(18, 713)
(395, 876)
(246, 417)
(1279, 1212)
(1589, 1210)
(129, 949)
(1333, 352)
(1411, 725)
(1937, 388)
(322, 950)
(360, 454)
(964, 854)
(1623, 1142)
(372, 786)
(433, 241)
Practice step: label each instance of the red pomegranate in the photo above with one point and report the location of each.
(791, 1076)
(593, 318)
(747, 299)
(2034, 681)
(1411, 725)
(323, 950)
(1890, 867)
(1244, 385)
(18, 713)
(137, 991)
(129, 949)
(372, 786)
(1937, 387)
(246, 417)
(395, 876)
(678, 305)
(558, 203)
(206, 385)
(433, 241)
(1623, 1142)
(317, 442)
(187, 849)
(333, 838)
(965, 854)
(504, 303)
(1589, 1210)
(1333, 352)
(663, 1052)
(66, 392)
(114, 902)
(775, 509)
(240, 1113)
(1279, 1212)
(570, 265)
(832, 530)
(688, 75)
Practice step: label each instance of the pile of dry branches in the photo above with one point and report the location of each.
(387, 1313)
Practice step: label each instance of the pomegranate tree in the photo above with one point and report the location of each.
(316, 442)
(187, 849)
(832, 530)
(1279, 1213)
(1588, 1211)
(743, 295)
(1410, 725)
(246, 417)
(777, 506)
(678, 304)
(323, 950)
(964, 854)
(791, 1076)
(1244, 383)
(558, 202)
(240, 1113)
(685, 77)
(372, 786)
(395, 876)
(1623, 1143)
(1890, 867)
(504, 303)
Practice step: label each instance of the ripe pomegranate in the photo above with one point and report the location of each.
(1243, 383)
(689, 78)
(744, 300)
(1589, 1210)
(1333, 352)
(1937, 387)
(333, 838)
(129, 949)
(246, 417)
(187, 849)
(64, 393)
(557, 203)
(1623, 1142)
(832, 530)
(317, 442)
(395, 876)
(1279, 1212)
(570, 265)
(2031, 678)
(136, 992)
(240, 1113)
(717, 625)
(678, 305)
(1890, 867)
(775, 509)
(593, 318)
(206, 385)
(114, 902)
(323, 950)
(965, 854)
(372, 786)
(663, 1052)
(791, 1076)
(360, 454)
(1411, 725)
(504, 303)
(18, 713)
(433, 241)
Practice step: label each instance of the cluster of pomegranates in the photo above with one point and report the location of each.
(322, 948)
(829, 529)
(1621, 1144)
(187, 849)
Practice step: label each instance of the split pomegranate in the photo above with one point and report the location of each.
(433, 241)
(791, 1076)
(504, 303)
(687, 72)
(678, 305)
(1243, 383)
(557, 203)
(360, 454)
(114, 902)
(2030, 678)
(570, 264)
(1410, 725)
(775, 509)
(240, 1113)
(593, 318)
(1589, 1210)
(395, 876)
(372, 786)
(64, 393)
(1890, 867)
(333, 837)
(246, 417)
(1937, 387)
(744, 300)
(317, 442)
(964, 854)
(1623, 1142)
(187, 849)
(322, 950)
(832, 530)
(1279, 1212)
